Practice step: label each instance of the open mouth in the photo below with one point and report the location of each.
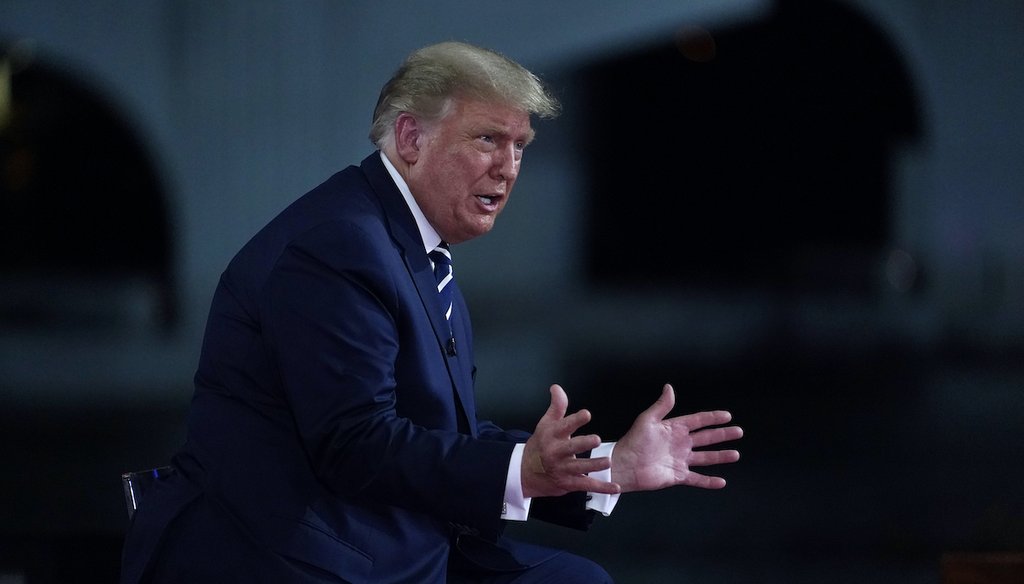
(489, 201)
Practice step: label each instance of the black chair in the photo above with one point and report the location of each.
(136, 484)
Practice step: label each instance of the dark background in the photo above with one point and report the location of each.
(808, 213)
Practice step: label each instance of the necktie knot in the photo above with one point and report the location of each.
(442, 258)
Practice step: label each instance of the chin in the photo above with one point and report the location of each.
(472, 234)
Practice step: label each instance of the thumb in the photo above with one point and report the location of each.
(559, 403)
(664, 404)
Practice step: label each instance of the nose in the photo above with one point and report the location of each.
(506, 163)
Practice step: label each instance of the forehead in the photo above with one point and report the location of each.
(474, 115)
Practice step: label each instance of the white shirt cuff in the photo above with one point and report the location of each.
(601, 502)
(516, 507)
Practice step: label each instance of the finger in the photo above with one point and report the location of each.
(590, 485)
(664, 404)
(704, 419)
(695, 479)
(559, 403)
(580, 444)
(582, 466)
(567, 447)
(716, 436)
(710, 457)
(568, 425)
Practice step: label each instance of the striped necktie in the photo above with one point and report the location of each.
(442, 258)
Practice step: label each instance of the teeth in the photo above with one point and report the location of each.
(486, 200)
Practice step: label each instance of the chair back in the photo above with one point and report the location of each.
(136, 484)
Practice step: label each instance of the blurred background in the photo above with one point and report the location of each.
(808, 213)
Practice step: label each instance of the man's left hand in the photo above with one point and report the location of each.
(657, 452)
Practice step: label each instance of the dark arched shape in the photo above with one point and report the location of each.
(753, 156)
(81, 205)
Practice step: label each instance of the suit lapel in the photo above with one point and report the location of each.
(405, 233)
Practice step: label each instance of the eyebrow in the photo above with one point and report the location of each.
(495, 129)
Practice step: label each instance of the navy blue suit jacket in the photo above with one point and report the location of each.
(329, 429)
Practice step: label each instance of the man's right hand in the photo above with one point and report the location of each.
(550, 467)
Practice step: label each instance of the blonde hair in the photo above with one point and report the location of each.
(431, 77)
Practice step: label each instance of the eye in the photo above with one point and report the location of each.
(520, 146)
(487, 138)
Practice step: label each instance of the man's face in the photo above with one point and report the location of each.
(467, 165)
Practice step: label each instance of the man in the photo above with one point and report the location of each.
(333, 436)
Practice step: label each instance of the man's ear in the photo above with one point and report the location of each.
(408, 134)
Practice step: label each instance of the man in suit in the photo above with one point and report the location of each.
(333, 436)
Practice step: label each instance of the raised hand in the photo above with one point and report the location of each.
(656, 452)
(550, 466)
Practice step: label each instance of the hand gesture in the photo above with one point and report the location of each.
(550, 466)
(656, 452)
